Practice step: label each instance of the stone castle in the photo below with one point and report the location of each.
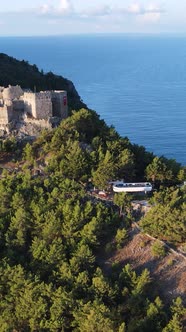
(17, 104)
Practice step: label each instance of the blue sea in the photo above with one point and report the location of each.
(137, 83)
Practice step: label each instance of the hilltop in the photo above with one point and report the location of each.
(15, 72)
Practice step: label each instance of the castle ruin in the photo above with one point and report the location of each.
(18, 105)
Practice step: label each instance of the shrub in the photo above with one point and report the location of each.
(170, 262)
(120, 237)
(109, 248)
(183, 248)
(158, 249)
(142, 244)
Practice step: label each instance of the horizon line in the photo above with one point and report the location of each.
(181, 34)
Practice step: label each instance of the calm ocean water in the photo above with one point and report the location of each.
(136, 83)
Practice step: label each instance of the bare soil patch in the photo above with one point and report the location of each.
(168, 273)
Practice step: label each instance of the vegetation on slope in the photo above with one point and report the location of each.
(83, 147)
(166, 220)
(52, 234)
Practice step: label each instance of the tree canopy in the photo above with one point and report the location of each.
(52, 234)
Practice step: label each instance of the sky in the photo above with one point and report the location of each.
(58, 17)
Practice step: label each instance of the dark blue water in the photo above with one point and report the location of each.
(136, 83)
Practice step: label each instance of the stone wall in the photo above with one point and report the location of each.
(12, 92)
(43, 105)
(29, 103)
(59, 104)
(18, 110)
(38, 105)
(18, 105)
(6, 114)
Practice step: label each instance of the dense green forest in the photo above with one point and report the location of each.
(53, 233)
(167, 218)
(15, 72)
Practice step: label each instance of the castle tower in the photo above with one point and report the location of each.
(59, 103)
(38, 105)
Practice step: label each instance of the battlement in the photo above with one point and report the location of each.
(37, 95)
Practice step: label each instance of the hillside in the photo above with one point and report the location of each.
(13, 72)
(70, 261)
(167, 272)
